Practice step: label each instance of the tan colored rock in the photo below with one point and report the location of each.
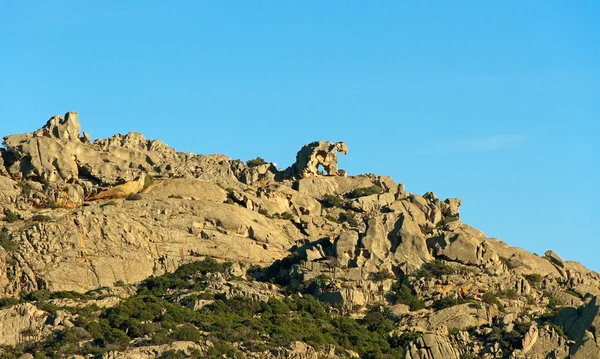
(555, 258)
(315, 155)
(122, 191)
(22, 323)
(156, 351)
(432, 346)
(67, 195)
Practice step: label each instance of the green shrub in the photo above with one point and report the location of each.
(382, 275)
(403, 294)
(434, 269)
(6, 241)
(510, 294)
(229, 201)
(256, 162)
(187, 332)
(37, 295)
(108, 203)
(445, 302)
(492, 299)
(287, 216)
(573, 293)
(263, 211)
(365, 191)
(402, 340)
(331, 201)
(554, 303)
(8, 302)
(41, 218)
(134, 197)
(11, 216)
(533, 279)
(348, 217)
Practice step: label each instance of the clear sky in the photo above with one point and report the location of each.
(495, 102)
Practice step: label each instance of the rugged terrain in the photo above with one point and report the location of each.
(125, 248)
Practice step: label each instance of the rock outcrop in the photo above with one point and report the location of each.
(361, 244)
(316, 155)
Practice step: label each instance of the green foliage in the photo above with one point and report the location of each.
(41, 218)
(534, 279)
(510, 294)
(256, 162)
(573, 293)
(37, 296)
(155, 315)
(445, 302)
(8, 302)
(180, 279)
(446, 220)
(348, 217)
(554, 303)
(108, 203)
(331, 201)
(287, 216)
(187, 332)
(403, 294)
(229, 201)
(492, 299)
(11, 216)
(134, 197)
(6, 241)
(263, 211)
(382, 275)
(365, 191)
(404, 339)
(434, 269)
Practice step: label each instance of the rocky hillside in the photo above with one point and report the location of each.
(125, 248)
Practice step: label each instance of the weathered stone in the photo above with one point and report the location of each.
(316, 155)
(555, 258)
(22, 323)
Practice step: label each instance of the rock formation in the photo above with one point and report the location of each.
(416, 277)
(316, 155)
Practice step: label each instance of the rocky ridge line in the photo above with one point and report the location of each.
(81, 215)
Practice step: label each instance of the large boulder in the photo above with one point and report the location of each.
(314, 156)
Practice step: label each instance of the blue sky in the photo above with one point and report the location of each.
(495, 102)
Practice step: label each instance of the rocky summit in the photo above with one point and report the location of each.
(124, 248)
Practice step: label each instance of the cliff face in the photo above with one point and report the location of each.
(81, 215)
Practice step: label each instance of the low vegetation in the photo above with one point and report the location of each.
(365, 191)
(11, 216)
(6, 240)
(330, 201)
(155, 315)
(434, 269)
(258, 161)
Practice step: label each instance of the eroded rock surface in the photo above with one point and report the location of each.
(359, 243)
